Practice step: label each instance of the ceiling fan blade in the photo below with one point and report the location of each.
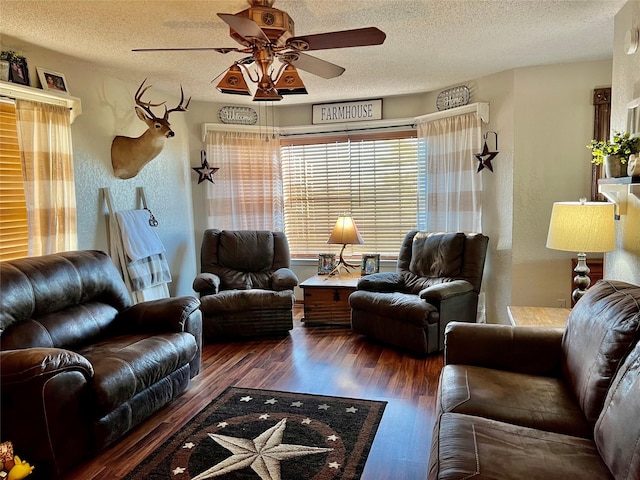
(316, 66)
(244, 27)
(217, 49)
(360, 37)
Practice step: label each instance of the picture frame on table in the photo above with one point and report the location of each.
(53, 81)
(19, 71)
(326, 263)
(370, 264)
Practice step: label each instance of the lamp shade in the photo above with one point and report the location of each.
(345, 232)
(582, 227)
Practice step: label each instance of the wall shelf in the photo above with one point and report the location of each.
(22, 92)
(619, 191)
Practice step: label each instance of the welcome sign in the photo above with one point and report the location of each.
(347, 111)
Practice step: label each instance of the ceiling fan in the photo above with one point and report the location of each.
(266, 34)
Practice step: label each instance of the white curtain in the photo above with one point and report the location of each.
(449, 189)
(247, 193)
(49, 185)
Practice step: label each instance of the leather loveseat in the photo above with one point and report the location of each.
(79, 365)
(544, 403)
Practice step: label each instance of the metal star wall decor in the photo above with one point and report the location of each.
(205, 171)
(484, 158)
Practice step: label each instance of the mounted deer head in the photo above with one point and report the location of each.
(130, 155)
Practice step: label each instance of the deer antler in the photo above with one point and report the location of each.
(146, 105)
(179, 108)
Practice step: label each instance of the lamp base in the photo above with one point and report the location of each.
(342, 264)
(581, 280)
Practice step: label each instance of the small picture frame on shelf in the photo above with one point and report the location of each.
(370, 264)
(18, 69)
(326, 263)
(50, 80)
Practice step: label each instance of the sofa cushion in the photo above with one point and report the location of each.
(249, 251)
(35, 287)
(437, 254)
(601, 330)
(535, 401)
(466, 446)
(126, 365)
(617, 432)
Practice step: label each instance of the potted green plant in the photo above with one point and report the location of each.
(614, 153)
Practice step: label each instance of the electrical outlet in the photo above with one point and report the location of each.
(562, 303)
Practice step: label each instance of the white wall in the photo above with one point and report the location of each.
(624, 263)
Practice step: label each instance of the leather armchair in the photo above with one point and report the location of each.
(245, 284)
(437, 280)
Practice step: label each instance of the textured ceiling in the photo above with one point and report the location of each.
(430, 45)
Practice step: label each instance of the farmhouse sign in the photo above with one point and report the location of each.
(347, 112)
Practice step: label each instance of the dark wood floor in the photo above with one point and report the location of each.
(321, 360)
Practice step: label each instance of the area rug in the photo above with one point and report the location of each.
(269, 435)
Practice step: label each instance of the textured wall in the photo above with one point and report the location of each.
(107, 110)
(624, 263)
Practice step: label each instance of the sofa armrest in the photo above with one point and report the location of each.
(39, 364)
(382, 282)
(532, 350)
(206, 284)
(47, 406)
(283, 279)
(163, 315)
(442, 291)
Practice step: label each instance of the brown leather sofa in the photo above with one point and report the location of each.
(544, 403)
(79, 365)
(437, 280)
(245, 284)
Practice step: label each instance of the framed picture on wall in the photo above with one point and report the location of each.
(370, 263)
(326, 263)
(51, 80)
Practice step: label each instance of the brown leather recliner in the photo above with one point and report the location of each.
(437, 280)
(79, 364)
(245, 284)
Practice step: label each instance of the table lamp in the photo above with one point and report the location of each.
(344, 233)
(582, 227)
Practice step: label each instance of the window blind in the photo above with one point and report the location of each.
(372, 178)
(14, 233)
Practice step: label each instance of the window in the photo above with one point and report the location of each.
(14, 233)
(372, 177)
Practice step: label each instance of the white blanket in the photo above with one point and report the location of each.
(138, 238)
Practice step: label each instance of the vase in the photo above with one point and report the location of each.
(613, 167)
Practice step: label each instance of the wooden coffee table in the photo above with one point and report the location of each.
(538, 316)
(326, 299)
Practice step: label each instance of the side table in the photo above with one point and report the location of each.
(538, 316)
(326, 299)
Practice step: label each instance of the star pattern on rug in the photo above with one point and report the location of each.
(297, 404)
(324, 406)
(178, 470)
(246, 399)
(271, 401)
(263, 453)
(189, 445)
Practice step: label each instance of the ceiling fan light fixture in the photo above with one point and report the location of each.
(263, 95)
(233, 82)
(290, 82)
